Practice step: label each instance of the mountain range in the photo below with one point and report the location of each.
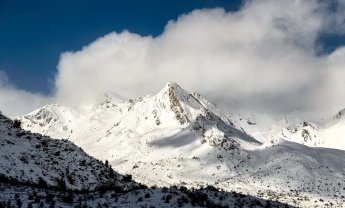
(177, 138)
(38, 171)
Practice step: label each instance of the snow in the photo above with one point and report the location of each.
(180, 138)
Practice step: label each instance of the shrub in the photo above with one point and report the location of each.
(127, 178)
(118, 189)
(19, 202)
(168, 198)
(42, 183)
(17, 123)
(198, 197)
(61, 185)
(183, 189)
(68, 199)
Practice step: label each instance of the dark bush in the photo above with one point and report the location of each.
(118, 189)
(31, 197)
(37, 199)
(82, 163)
(198, 197)
(183, 189)
(211, 188)
(44, 143)
(18, 201)
(42, 183)
(127, 178)
(17, 123)
(112, 173)
(168, 198)
(164, 190)
(61, 185)
(68, 198)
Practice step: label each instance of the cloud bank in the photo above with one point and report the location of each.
(264, 57)
(14, 101)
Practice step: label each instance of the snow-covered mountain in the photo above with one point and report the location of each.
(37, 171)
(179, 138)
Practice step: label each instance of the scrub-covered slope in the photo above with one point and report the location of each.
(30, 158)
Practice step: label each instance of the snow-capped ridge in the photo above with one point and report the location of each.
(171, 108)
(340, 115)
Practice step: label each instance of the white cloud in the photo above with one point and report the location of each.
(15, 102)
(262, 57)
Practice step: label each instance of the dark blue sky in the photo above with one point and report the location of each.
(34, 33)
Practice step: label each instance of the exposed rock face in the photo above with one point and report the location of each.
(176, 107)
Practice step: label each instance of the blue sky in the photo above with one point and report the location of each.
(33, 34)
(271, 56)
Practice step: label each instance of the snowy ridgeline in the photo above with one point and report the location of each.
(179, 138)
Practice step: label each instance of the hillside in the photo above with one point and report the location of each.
(32, 159)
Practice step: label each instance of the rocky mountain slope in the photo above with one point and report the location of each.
(179, 138)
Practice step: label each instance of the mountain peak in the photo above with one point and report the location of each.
(176, 97)
(172, 84)
(173, 88)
